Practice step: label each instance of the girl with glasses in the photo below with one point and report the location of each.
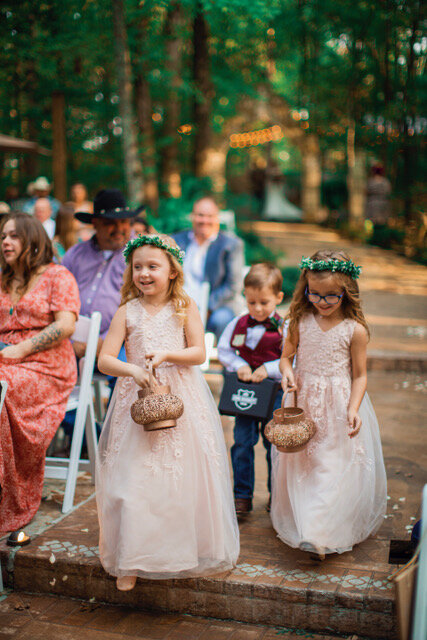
(332, 494)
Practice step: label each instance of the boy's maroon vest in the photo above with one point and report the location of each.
(268, 348)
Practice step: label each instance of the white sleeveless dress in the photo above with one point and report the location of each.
(165, 503)
(332, 494)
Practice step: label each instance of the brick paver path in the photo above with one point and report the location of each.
(30, 617)
(394, 289)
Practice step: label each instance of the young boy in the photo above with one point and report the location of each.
(251, 345)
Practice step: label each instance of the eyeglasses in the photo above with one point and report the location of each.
(316, 298)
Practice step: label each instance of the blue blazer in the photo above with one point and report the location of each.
(223, 269)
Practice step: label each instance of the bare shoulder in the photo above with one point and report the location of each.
(360, 335)
(120, 315)
(192, 312)
(192, 307)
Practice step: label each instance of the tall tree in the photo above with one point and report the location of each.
(171, 178)
(202, 93)
(59, 147)
(133, 166)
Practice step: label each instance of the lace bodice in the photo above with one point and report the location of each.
(146, 333)
(324, 353)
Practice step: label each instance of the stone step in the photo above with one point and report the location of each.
(56, 617)
(271, 584)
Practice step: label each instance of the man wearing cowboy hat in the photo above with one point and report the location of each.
(41, 188)
(98, 264)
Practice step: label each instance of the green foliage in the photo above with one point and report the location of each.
(255, 250)
(290, 279)
(387, 237)
(334, 63)
(174, 213)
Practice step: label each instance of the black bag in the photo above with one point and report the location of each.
(252, 399)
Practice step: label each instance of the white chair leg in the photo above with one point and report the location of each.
(91, 439)
(99, 411)
(76, 448)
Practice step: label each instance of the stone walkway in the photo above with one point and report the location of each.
(394, 289)
(272, 584)
(31, 617)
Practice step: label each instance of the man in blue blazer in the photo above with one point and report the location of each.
(215, 257)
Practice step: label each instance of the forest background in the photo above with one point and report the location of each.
(169, 99)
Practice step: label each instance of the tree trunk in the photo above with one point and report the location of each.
(215, 165)
(26, 102)
(171, 177)
(59, 146)
(145, 122)
(132, 163)
(409, 146)
(202, 95)
(311, 178)
(356, 180)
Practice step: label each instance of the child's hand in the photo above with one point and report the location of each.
(354, 423)
(259, 374)
(288, 381)
(157, 357)
(244, 373)
(140, 376)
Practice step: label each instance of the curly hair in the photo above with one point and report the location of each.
(36, 252)
(176, 291)
(351, 306)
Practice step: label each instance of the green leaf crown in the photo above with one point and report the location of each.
(155, 241)
(343, 266)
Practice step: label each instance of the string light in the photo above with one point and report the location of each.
(185, 129)
(253, 138)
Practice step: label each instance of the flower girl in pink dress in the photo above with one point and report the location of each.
(164, 497)
(332, 494)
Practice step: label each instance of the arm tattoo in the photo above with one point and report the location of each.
(47, 337)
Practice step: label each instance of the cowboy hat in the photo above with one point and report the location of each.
(41, 184)
(108, 204)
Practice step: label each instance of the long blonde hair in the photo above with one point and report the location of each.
(301, 306)
(176, 292)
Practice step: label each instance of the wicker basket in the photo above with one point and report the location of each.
(156, 407)
(290, 430)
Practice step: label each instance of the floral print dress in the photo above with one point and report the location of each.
(38, 389)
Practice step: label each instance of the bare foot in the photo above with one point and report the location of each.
(126, 583)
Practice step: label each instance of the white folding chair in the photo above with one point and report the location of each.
(87, 330)
(419, 630)
(203, 304)
(210, 350)
(227, 219)
(101, 391)
(3, 389)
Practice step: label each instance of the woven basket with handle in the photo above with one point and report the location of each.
(290, 430)
(156, 407)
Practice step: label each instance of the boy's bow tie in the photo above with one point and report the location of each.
(266, 323)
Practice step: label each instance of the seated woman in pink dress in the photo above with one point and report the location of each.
(39, 305)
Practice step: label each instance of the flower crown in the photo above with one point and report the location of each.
(155, 241)
(344, 266)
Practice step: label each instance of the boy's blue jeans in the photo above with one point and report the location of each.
(246, 435)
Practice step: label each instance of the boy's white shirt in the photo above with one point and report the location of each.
(232, 361)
